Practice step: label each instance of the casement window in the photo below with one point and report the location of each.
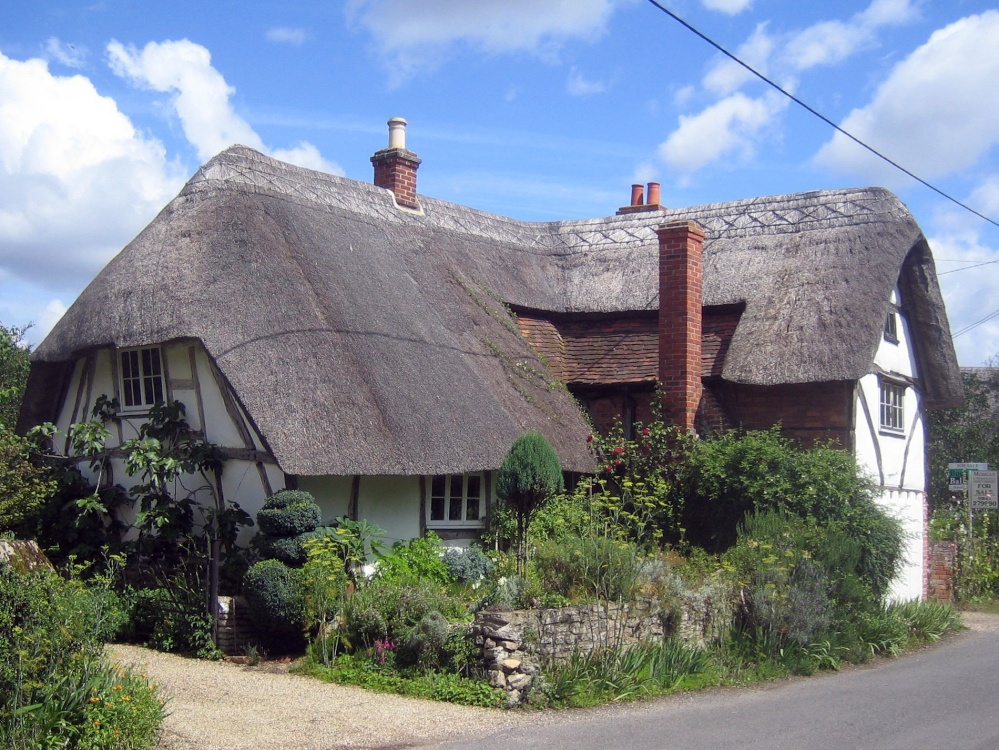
(456, 500)
(142, 382)
(892, 402)
(891, 327)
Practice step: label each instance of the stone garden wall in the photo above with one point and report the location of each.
(514, 643)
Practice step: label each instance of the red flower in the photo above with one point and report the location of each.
(645, 431)
(589, 438)
(618, 451)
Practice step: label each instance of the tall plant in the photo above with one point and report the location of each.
(529, 475)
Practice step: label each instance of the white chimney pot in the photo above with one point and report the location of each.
(397, 133)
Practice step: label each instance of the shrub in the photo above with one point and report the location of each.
(288, 520)
(286, 498)
(170, 622)
(468, 564)
(392, 609)
(275, 594)
(588, 568)
(421, 558)
(291, 550)
(740, 472)
(52, 668)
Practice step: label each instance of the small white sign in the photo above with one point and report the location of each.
(982, 486)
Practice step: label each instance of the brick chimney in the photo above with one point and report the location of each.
(681, 300)
(395, 166)
(642, 202)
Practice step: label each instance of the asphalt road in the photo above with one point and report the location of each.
(943, 698)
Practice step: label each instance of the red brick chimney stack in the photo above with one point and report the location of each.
(681, 300)
(395, 166)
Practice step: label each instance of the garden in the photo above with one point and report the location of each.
(679, 564)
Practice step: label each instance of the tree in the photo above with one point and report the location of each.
(530, 474)
(968, 433)
(24, 487)
(15, 360)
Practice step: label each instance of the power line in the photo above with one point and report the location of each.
(986, 319)
(967, 268)
(816, 113)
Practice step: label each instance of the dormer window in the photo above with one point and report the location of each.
(142, 382)
(891, 327)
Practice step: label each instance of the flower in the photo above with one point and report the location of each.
(589, 438)
(645, 431)
(618, 451)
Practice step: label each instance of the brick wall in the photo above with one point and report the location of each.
(810, 412)
(939, 570)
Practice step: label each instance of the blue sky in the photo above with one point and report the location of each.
(537, 109)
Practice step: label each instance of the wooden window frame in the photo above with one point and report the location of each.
(891, 400)
(141, 378)
(442, 494)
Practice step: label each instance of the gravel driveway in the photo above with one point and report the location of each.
(225, 706)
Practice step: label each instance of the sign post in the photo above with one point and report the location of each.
(961, 477)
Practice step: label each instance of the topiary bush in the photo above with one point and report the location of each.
(290, 519)
(275, 594)
(287, 520)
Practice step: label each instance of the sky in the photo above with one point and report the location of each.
(535, 109)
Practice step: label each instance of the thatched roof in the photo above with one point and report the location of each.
(363, 339)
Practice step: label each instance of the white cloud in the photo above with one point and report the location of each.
(969, 294)
(286, 35)
(414, 36)
(731, 7)
(77, 180)
(577, 85)
(66, 54)
(729, 128)
(200, 97)
(728, 76)
(934, 113)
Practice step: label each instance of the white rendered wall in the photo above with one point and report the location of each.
(392, 503)
(190, 379)
(896, 461)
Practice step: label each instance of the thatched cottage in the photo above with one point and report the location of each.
(382, 349)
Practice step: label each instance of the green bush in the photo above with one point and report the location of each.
(291, 519)
(285, 498)
(421, 558)
(588, 568)
(392, 610)
(56, 687)
(468, 564)
(740, 472)
(167, 621)
(276, 596)
(291, 550)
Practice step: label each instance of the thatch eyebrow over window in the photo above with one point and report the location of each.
(892, 406)
(456, 500)
(141, 377)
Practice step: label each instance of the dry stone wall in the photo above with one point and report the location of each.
(515, 643)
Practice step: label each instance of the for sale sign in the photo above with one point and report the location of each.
(957, 474)
(982, 489)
